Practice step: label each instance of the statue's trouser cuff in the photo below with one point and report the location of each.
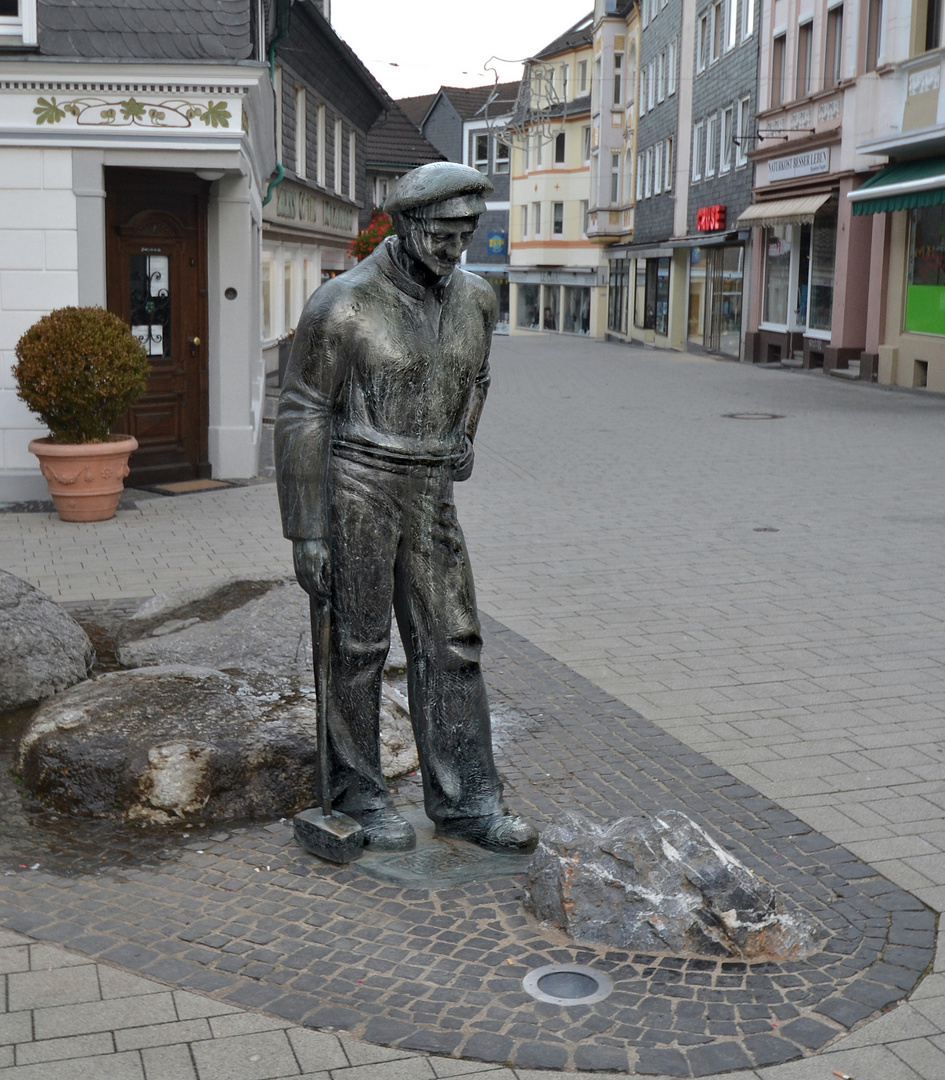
(396, 541)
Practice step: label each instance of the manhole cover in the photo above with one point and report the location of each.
(567, 984)
(753, 416)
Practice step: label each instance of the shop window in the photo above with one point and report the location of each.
(576, 315)
(925, 286)
(557, 219)
(639, 295)
(652, 295)
(777, 273)
(805, 42)
(528, 307)
(481, 153)
(617, 290)
(697, 294)
(549, 317)
(834, 47)
(823, 263)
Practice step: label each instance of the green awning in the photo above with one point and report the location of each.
(903, 185)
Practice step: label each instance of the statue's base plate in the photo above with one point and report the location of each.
(436, 862)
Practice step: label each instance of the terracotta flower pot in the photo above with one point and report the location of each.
(85, 479)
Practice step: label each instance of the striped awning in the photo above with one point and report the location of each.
(904, 185)
(782, 211)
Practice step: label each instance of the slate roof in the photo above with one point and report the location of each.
(581, 33)
(416, 108)
(145, 29)
(469, 101)
(396, 140)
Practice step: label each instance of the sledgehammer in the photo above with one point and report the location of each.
(325, 832)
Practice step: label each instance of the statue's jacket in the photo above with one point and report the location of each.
(384, 372)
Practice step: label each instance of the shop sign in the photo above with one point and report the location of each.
(337, 216)
(710, 218)
(498, 243)
(810, 163)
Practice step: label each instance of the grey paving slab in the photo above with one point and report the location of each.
(63, 986)
(168, 1063)
(261, 1056)
(105, 1067)
(68, 1049)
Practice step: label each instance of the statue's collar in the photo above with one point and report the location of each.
(393, 271)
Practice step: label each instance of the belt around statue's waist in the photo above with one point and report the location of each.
(389, 460)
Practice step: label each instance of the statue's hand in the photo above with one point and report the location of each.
(312, 561)
(463, 468)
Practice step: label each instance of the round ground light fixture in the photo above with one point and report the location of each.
(567, 984)
(752, 416)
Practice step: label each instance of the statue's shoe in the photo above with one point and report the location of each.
(386, 830)
(502, 832)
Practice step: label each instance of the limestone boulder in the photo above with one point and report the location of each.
(655, 885)
(42, 649)
(173, 743)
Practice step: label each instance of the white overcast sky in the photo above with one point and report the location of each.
(415, 46)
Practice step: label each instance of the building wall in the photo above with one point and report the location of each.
(444, 128)
(38, 272)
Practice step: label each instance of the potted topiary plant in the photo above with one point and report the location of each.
(79, 368)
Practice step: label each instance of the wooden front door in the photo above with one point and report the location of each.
(156, 267)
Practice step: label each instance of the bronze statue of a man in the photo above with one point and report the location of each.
(384, 389)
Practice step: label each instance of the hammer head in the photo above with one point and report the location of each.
(335, 837)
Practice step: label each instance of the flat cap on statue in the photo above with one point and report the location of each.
(455, 190)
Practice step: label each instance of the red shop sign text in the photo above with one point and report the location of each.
(710, 218)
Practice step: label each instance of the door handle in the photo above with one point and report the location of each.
(194, 340)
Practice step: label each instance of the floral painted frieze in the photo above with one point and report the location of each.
(99, 112)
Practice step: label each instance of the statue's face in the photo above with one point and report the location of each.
(438, 243)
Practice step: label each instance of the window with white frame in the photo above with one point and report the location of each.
(563, 81)
(639, 176)
(648, 172)
(702, 41)
(834, 46)
(672, 51)
(584, 216)
(524, 221)
(748, 18)
(874, 34)
(17, 22)
(651, 87)
(718, 29)
(657, 169)
(804, 74)
(661, 76)
(744, 125)
(557, 219)
(301, 127)
(731, 29)
(320, 145)
(352, 164)
(725, 144)
(339, 164)
(698, 149)
(669, 164)
(560, 148)
(644, 71)
(711, 142)
(778, 51)
(618, 79)
(481, 153)
(501, 156)
(586, 144)
(614, 178)
(582, 77)
(536, 218)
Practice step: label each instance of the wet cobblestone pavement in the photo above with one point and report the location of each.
(248, 917)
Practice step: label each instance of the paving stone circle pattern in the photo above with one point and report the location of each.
(249, 918)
